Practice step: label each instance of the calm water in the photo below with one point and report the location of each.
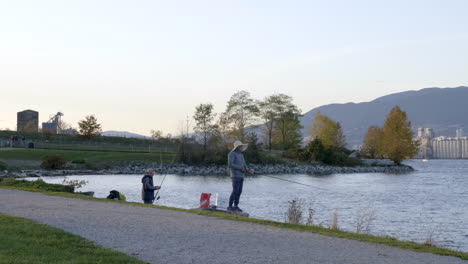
(408, 207)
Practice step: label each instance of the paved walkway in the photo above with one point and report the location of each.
(165, 236)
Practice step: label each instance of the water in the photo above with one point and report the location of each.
(407, 206)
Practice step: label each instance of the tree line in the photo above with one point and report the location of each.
(272, 125)
(277, 119)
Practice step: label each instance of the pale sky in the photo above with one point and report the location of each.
(142, 65)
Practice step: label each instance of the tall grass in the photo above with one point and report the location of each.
(334, 221)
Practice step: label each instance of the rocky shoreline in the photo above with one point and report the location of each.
(183, 169)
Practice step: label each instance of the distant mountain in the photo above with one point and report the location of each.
(113, 133)
(443, 109)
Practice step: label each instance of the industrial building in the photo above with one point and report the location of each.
(27, 121)
(442, 147)
(52, 126)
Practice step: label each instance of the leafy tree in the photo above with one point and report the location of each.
(156, 134)
(89, 127)
(241, 111)
(328, 131)
(286, 132)
(277, 111)
(204, 117)
(268, 113)
(397, 137)
(372, 142)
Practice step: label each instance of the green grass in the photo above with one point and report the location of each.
(389, 241)
(95, 158)
(25, 241)
(38, 185)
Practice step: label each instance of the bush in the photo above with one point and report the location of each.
(315, 151)
(53, 162)
(294, 213)
(78, 161)
(293, 154)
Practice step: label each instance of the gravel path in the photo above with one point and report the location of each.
(165, 236)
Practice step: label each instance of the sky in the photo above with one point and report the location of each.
(142, 65)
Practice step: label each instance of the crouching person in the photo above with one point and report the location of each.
(148, 188)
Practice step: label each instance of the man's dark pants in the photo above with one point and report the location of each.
(237, 184)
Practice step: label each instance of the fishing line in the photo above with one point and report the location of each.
(308, 185)
(156, 197)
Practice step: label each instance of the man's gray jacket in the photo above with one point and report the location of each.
(236, 163)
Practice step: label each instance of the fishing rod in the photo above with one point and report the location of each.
(300, 183)
(156, 197)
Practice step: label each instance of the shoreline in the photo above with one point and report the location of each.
(212, 170)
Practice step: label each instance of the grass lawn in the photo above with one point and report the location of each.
(25, 241)
(97, 158)
(389, 241)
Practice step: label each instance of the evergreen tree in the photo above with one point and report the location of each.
(397, 137)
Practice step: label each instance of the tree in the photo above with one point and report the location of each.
(156, 134)
(286, 134)
(328, 131)
(280, 115)
(204, 122)
(397, 137)
(241, 111)
(372, 142)
(63, 126)
(89, 127)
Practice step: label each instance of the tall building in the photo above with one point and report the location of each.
(27, 121)
(442, 147)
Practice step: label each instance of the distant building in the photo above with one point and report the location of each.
(27, 121)
(52, 126)
(442, 147)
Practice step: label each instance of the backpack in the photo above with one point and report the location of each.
(114, 195)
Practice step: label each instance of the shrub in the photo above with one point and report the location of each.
(293, 154)
(53, 162)
(294, 214)
(74, 183)
(316, 151)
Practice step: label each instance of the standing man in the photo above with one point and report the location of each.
(238, 168)
(148, 188)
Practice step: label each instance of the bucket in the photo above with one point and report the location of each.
(205, 200)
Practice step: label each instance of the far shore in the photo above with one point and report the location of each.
(215, 170)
